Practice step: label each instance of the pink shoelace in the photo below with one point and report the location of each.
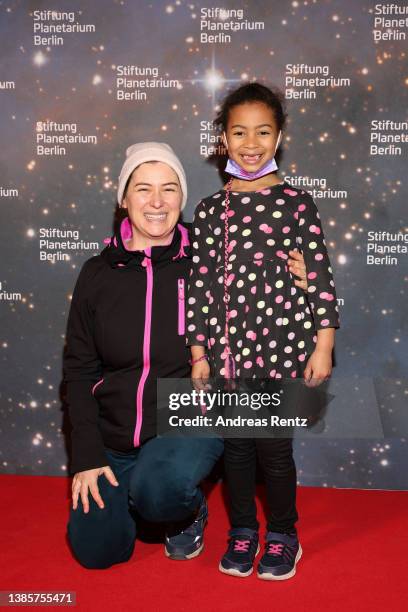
(275, 549)
(241, 545)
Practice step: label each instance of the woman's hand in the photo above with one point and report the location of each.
(296, 264)
(318, 367)
(88, 479)
(200, 373)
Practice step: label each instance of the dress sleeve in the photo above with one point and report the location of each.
(202, 270)
(321, 292)
(82, 369)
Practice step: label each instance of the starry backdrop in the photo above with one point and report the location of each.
(325, 137)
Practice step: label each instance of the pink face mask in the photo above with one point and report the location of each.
(270, 166)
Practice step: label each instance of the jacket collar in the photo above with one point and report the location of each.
(118, 255)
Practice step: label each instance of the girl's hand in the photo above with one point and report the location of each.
(296, 265)
(200, 373)
(318, 367)
(88, 479)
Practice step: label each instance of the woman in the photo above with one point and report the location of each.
(125, 330)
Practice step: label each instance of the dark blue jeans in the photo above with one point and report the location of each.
(160, 480)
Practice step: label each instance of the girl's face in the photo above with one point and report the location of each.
(251, 136)
(153, 199)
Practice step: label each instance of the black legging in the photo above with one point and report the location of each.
(276, 460)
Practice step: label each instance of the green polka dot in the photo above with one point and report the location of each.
(285, 321)
(286, 242)
(277, 214)
(210, 240)
(312, 245)
(252, 276)
(301, 344)
(321, 311)
(279, 284)
(205, 309)
(232, 330)
(261, 304)
(274, 358)
(307, 325)
(246, 232)
(245, 351)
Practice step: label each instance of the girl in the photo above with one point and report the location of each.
(247, 309)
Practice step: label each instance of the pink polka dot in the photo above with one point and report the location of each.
(247, 365)
(286, 229)
(290, 192)
(200, 337)
(253, 290)
(288, 305)
(251, 335)
(268, 288)
(302, 357)
(245, 200)
(279, 299)
(265, 331)
(212, 253)
(258, 255)
(301, 207)
(265, 191)
(318, 257)
(326, 296)
(280, 201)
(266, 228)
(203, 270)
(232, 314)
(231, 213)
(325, 322)
(247, 219)
(260, 361)
(312, 275)
(281, 254)
(293, 374)
(211, 341)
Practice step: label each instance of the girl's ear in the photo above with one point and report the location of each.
(224, 140)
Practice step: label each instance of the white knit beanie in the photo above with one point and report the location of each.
(151, 151)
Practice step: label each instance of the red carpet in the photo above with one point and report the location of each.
(354, 556)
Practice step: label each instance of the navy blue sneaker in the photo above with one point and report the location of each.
(282, 552)
(243, 546)
(187, 543)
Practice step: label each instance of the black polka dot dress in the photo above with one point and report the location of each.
(272, 323)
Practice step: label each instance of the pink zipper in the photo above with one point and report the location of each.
(181, 307)
(96, 385)
(146, 348)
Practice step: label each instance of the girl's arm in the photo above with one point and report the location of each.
(201, 274)
(321, 293)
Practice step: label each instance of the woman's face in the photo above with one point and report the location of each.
(153, 200)
(251, 135)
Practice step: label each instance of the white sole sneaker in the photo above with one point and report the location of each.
(234, 572)
(267, 576)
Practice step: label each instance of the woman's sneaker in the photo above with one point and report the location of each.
(282, 552)
(242, 549)
(187, 543)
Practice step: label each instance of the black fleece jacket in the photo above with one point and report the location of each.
(125, 330)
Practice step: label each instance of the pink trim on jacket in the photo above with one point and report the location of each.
(181, 307)
(147, 262)
(96, 385)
